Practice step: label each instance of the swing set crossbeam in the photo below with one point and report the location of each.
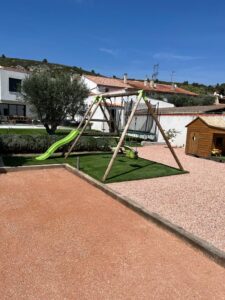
(98, 103)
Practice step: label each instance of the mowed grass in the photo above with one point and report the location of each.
(124, 169)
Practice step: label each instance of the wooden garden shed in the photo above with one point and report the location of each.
(205, 134)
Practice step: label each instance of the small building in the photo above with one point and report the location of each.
(176, 119)
(11, 100)
(205, 134)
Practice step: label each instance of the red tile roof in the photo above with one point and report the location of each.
(159, 88)
(138, 84)
(106, 81)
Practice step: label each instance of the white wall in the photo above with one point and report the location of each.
(161, 103)
(177, 122)
(5, 94)
(92, 86)
(101, 126)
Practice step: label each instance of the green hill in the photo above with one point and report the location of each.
(30, 65)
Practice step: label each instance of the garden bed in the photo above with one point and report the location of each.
(218, 158)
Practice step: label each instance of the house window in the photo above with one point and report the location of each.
(15, 85)
(12, 110)
(4, 109)
(21, 110)
(219, 142)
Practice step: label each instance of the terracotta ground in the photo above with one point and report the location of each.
(194, 201)
(62, 238)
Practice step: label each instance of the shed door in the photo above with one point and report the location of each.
(194, 139)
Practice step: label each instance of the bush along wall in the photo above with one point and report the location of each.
(22, 144)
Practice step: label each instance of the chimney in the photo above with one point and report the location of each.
(146, 81)
(151, 83)
(173, 86)
(125, 78)
(217, 95)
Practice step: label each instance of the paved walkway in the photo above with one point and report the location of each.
(62, 238)
(28, 126)
(194, 201)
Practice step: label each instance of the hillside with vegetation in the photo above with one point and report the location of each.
(205, 92)
(30, 65)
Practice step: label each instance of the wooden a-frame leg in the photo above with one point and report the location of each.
(83, 129)
(150, 109)
(121, 140)
(104, 114)
(111, 118)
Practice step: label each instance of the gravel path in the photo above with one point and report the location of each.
(194, 201)
(62, 238)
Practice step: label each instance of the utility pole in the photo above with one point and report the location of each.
(172, 77)
(155, 72)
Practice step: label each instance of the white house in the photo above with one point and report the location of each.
(122, 95)
(11, 101)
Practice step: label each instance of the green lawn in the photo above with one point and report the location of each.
(124, 169)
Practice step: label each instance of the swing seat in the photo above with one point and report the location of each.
(131, 153)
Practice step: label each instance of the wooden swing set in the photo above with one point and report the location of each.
(99, 101)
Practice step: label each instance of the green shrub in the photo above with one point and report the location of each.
(86, 143)
(15, 143)
(103, 144)
(183, 100)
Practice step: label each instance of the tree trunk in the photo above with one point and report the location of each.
(50, 130)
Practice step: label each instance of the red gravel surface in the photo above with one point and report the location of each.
(62, 238)
(194, 201)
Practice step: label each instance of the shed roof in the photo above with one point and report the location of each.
(211, 121)
(214, 121)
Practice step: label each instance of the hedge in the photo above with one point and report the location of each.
(19, 144)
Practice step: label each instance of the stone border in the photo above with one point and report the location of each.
(208, 249)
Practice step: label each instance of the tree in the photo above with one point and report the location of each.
(171, 134)
(54, 96)
(3, 55)
(45, 61)
(183, 100)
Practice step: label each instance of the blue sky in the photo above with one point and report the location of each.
(114, 37)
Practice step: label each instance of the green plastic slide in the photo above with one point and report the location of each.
(58, 144)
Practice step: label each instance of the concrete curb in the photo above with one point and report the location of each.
(208, 249)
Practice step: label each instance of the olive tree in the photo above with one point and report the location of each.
(54, 96)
